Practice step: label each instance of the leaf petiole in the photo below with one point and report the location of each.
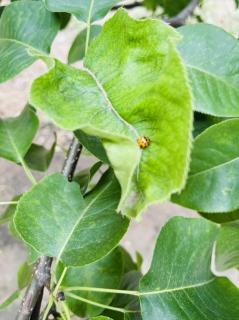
(74, 296)
(105, 290)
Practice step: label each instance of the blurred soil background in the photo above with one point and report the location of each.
(13, 97)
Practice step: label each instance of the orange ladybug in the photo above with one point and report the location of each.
(143, 142)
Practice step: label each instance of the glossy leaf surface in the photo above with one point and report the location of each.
(211, 57)
(57, 221)
(227, 247)
(180, 284)
(85, 10)
(26, 29)
(119, 87)
(213, 182)
(39, 158)
(77, 51)
(16, 135)
(130, 303)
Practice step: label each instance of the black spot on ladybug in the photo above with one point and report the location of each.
(143, 142)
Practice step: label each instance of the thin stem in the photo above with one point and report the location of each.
(59, 282)
(181, 18)
(87, 42)
(74, 296)
(105, 290)
(6, 203)
(48, 308)
(67, 312)
(28, 172)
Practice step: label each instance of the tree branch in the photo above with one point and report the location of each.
(128, 6)
(180, 19)
(42, 271)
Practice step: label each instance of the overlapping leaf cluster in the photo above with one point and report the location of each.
(138, 80)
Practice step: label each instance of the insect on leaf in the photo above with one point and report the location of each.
(136, 89)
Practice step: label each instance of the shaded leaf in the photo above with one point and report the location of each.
(9, 213)
(104, 273)
(85, 176)
(24, 275)
(1, 10)
(77, 50)
(130, 282)
(213, 182)
(227, 247)
(55, 220)
(16, 135)
(101, 318)
(39, 158)
(64, 19)
(180, 284)
(129, 263)
(125, 100)
(92, 144)
(203, 121)
(171, 7)
(211, 57)
(6, 303)
(17, 45)
(85, 10)
(221, 217)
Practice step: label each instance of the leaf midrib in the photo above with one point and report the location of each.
(80, 218)
(26, 45)
(214, 168)
(214, 76)
(109, 103)
(197, 285)
(14, 146)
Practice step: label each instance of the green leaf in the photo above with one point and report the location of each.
(39, 158)
(221, 217)
(6, 303)
(1, 10)
(130, 282)
(203, 121)
(64, 19)
(55, 220)
(227, 247)
(104, 273)
(93, 145)
(210, 55)
(213, 182)
(180, 284)
(125, 100)
(24, 275)
(129, 263)
(17, 45)
(84, 177)
(171, 7)
(9, 213)
(77, 51)
(85, 10)
(16, 135)
(101, 318)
